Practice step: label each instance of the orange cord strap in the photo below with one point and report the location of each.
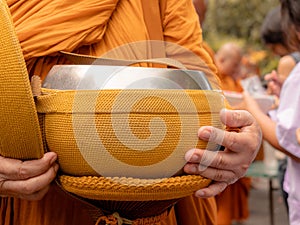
(116, 219)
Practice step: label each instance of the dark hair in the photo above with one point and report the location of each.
(271, 29)
(290, 13)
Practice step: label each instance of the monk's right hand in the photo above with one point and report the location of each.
(27, 179)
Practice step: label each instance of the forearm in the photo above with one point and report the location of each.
(268, 127)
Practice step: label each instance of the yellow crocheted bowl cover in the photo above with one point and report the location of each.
(127, 144)
(124, 145)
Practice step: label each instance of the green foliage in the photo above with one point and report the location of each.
(238, 21)
(268, 64)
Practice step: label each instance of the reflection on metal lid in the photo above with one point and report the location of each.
(98, 77)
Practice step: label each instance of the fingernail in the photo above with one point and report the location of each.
(205, 134)
(56, 167)
(189, 155)
(54, 158)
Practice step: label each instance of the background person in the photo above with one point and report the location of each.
(273, 36)
(280, 131)
(228, 61)
(232, 203)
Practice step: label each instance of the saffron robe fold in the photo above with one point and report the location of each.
(97, 27)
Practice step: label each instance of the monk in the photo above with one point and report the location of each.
(93, 27)
(232, 203)
(228, 61)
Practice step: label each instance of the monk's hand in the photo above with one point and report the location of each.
(27, 179)
(225, 167)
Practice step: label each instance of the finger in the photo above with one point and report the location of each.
(226, 176)
(249, 136)
(31, 197)
(13, 169)
(212, 134)
(236, 118)
(212, 190)
(28, 186)
(35, 196)
(267, 77)
(220, 166)
(231, 140)
(271, 76)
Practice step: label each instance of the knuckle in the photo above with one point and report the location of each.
(213, 133)
(218, 176)
(221, 163)
(232, 139)
(236, 115)
(22, 172)
(27, 189)
(2, 187)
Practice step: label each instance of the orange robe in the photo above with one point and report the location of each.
(210, 51)
(232, 203)
(97, 27)
(229, 84)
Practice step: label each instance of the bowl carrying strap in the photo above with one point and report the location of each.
(79, 59)
(20, 135)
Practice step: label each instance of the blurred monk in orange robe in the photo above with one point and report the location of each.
(232, 203)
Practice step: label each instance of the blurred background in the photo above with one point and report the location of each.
(240, 21)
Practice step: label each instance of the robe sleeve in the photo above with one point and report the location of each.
(74, 24)
(181, 26)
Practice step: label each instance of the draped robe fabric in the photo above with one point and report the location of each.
(96, 28)
(229, 84)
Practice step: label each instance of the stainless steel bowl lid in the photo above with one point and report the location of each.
(98, 77)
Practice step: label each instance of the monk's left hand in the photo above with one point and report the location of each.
(225, 167)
